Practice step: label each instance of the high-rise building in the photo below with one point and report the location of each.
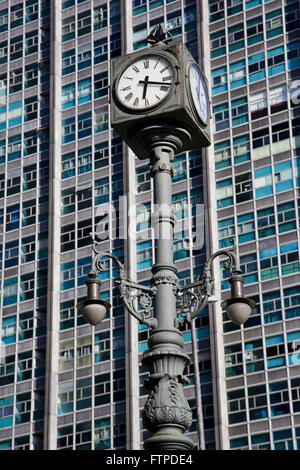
(64, 174)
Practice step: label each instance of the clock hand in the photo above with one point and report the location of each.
(149, 82)
(145, 86)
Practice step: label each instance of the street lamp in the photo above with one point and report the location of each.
(158, 125)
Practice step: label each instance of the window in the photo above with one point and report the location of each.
(9, 328)
(257, 402)
(28, 249)
(236, 403)
(280, 137)
(241, 149)
(224, 193)
(101, 119)
(102, 353)
(24, 368)
(144, 255)
(219, 80)
(13, 182)
(236, 37)
(246, 227)
(68, 96)
(216, 10)
(83, 393)
(269, 262)
(289, 257)
(100, 51)
(275, 351)
(143, 178)
(266, 222)
(28, 212)
(222, 155)
(84, 93)
(16, 15)
(67, 277)
(102, 434)
(273, 23)
(67, 314)
(255, 30)
(6, 411)
(286, 216)
(257, 67)
(279, 399)
(237, 74)
(243, 187)
(276, 62)
(278, 99)
(29, 177)
(68, 130)
(66, 355)
(68, 28)
(217, 43)
(271, 306)
(84, 23)
(293, 55)
(65, 397)
(100, 17)
(249, 267)
(221, 117)
(258, 105)
(25, 325)
(291, 302)
(16, 48)
(263, 182)
(254, 356)
(233, 360)
(283, 176)
(68, 61)
(12, 217)
(100, 85)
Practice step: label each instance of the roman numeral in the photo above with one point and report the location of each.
(146, 64)
(157, 97)
(135, 68)
(164, 88)
(129, 96)
(164, 69)
(136, 102)
(146, 102)
(165, 79)
(126, 88)
(128, 78)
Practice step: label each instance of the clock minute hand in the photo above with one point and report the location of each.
(149, 82)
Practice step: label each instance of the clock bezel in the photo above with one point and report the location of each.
(202, 122)
(131, 62)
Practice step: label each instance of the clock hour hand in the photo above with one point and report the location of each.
(145, 82)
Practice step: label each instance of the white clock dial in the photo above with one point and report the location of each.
(145, 83)
(199, 93)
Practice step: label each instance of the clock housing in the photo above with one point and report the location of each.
(177, 108)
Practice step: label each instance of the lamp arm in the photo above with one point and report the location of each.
(130, 292)
(190, 301)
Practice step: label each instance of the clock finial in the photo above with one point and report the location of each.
(159, 35)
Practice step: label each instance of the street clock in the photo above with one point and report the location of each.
(159, 86)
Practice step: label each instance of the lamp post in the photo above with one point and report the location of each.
(164, 306)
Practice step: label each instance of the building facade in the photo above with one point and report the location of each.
(65, 174)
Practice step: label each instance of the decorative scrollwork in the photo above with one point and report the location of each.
(137, 298)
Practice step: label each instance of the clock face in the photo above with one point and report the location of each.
(145, 83)
(199, 93)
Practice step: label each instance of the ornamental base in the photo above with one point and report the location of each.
(169, 438)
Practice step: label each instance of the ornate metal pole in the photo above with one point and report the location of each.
(166, 413)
